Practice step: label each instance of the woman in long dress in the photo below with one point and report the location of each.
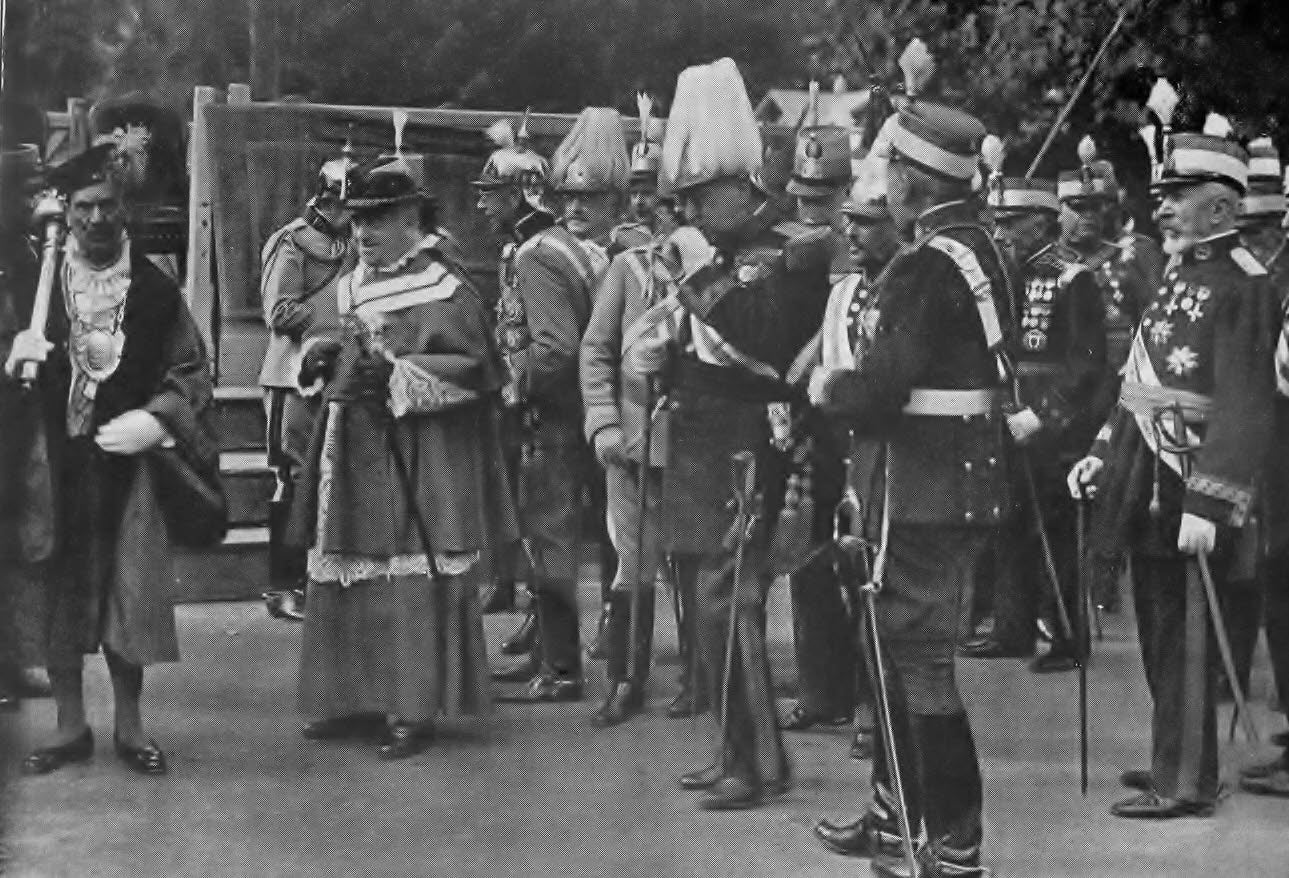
(404, 485)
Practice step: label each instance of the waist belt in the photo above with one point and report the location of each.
(931, 402)
(1147, 400)
(1031, 369)
(728, 381)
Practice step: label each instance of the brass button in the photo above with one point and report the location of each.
(997, 512)
(969, 516)
(993, 461)
(967, 466)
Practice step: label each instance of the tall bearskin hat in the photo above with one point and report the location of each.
(593, 156)
(711, 131)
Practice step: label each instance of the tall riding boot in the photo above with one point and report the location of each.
(951, 788)
(626, 691)
(560, 677)
(693, 697)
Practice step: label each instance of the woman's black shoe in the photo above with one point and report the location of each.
(703, 779)
(405, 740)
(145, 760)
(46, 759)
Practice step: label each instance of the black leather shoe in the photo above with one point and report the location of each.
(554, 688)
(858, 838)
(362, 725)
(1137, 779)
(404, 741)
(801, 718)
(989, 648)
(1054, 662)
(517, 672)
(731, 793)
(1265, 769)
(1274, 784)
(1151, 806)
(929, 865)
(686, 705)
(145, 760)
(46, 759)
(500, 597)
(522, 640)
(288, 605)
(702, 779)
(861, 746)
(598, 650)
(625, 700)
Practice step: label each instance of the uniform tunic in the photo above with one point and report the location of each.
(1205, 340)
(399, 459)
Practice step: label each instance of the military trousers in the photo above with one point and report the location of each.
(830, 674)
(552, 472)
(622, 489)
(1178, 653)
(1275, 582)
(1023, 589)
(920, 611)
(751, 743)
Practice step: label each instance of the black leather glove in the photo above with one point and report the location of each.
(291, 318)
(319, 362)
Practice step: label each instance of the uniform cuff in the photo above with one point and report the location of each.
(1218, 500)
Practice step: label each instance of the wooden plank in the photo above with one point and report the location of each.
(199, 290)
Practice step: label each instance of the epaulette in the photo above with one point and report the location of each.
(1248, 262)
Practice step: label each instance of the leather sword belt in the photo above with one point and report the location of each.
(1029, 369)
(1147, 400)
(936, 403)
(729, 381)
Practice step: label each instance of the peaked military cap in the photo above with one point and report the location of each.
(821, 163)
(1192, 158)
(942, 140)
(1011, 196)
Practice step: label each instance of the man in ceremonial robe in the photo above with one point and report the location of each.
(125, 379)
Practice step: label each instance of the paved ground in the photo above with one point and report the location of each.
(536, 792)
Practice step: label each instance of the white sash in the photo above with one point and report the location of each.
(1139, 369)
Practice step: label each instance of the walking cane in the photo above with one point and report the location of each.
(642, 508)
(743, 474)
(1085, 642)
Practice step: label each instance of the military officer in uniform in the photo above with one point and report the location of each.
(926, 390)
(822, 630)
(1127, 266)
(589, 176)
(547, 286)
(1060, 365)
(299, 266)
(743, 311)
(1176, 467)
(647, 209)
(1262, 216)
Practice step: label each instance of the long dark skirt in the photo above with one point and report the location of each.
(400, 645)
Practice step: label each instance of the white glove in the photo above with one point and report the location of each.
(610, 446)
(1023, 425)
(1082, 478)
(134, 432)
(29, 346)
(689, 248)
(818, 380)
(1196, 535)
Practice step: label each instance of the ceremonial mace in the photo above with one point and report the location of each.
(50, 215)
